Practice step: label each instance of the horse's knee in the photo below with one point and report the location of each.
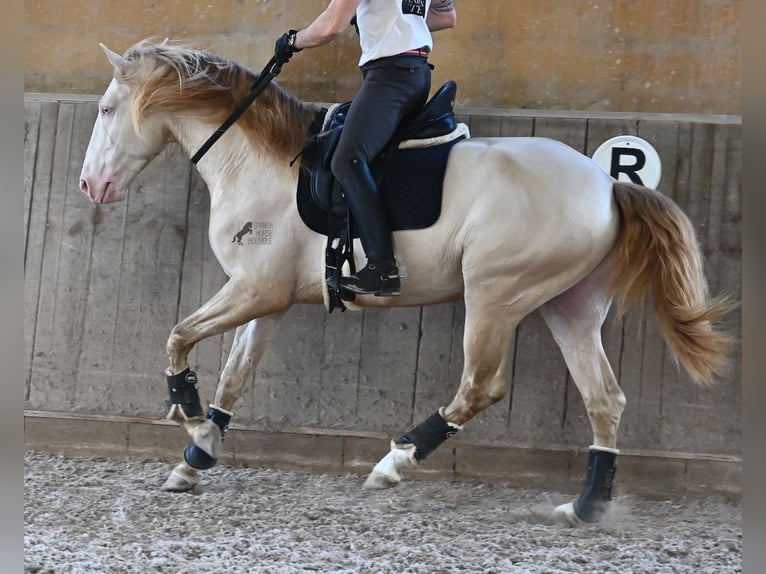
(174, 341)
(176, 345)
(475, 395)
(486, 393)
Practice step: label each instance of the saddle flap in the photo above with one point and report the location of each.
(326, 192)
(318, 152)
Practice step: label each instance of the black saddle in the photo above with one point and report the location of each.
(435, 119)
(410, 180)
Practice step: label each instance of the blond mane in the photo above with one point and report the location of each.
(177, 78)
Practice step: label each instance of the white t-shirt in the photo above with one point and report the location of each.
(390, 27)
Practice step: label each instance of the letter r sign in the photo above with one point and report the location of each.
(630, 158)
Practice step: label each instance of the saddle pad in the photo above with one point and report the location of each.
(410, 181)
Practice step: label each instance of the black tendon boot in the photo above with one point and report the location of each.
(197, 458)
(597, 488)
(380, 276)
(428, 435)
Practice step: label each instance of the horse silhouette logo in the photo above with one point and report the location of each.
(248, 228)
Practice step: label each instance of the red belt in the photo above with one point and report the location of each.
(416, 52)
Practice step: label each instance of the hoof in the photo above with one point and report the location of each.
(379, 481)
(207, 436)
(387, 472)
(566, 513)
(181, 479)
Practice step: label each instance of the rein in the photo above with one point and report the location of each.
(271, 71)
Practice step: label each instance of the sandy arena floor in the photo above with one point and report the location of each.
(92, 515)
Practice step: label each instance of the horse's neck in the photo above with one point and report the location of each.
(231, 162)
(249, 185)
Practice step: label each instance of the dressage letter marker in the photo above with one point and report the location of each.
(630, 158)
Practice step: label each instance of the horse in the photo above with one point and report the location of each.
(527, 223)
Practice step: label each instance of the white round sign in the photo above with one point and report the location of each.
(630, 158)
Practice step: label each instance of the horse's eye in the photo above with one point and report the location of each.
(105, 111)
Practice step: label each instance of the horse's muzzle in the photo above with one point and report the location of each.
(101, 192)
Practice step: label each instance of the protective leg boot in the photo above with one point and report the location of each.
(596, 493)
(380, 276)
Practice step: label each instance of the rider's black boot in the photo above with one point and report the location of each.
(380, 276)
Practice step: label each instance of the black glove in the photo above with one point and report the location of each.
(285, 47)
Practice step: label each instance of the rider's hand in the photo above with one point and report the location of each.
(285, 47)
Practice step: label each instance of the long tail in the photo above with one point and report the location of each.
(657, 253)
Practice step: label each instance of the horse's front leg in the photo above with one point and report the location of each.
(235, 304)
(250, 342)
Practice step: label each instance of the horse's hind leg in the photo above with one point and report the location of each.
(575, 318)
(250, 342)
(486, 340)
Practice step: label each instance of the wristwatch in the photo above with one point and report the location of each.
(291, 36)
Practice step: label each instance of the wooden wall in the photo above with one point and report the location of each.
(104, 285)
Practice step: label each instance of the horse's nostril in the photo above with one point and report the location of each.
(84, 187)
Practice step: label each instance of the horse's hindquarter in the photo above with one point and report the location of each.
(530, 216)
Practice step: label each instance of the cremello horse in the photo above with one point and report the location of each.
(526, 223)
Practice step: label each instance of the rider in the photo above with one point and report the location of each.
(395, 37)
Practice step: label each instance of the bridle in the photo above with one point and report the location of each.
(271, 71)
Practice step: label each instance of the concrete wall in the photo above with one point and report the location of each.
(104, 285)
(624, 55)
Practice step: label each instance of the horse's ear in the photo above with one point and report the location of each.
(120, 64)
